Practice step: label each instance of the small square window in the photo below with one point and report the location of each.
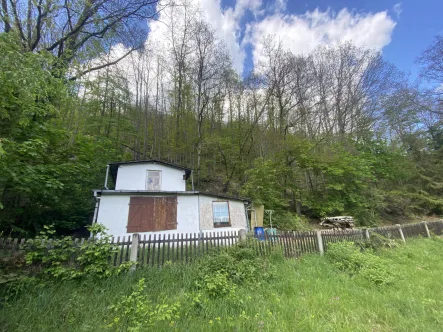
(220, 211)
(153, 180)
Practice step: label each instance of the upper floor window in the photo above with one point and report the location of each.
(220, 211)
(153, 180)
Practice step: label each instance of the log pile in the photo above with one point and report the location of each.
(341, 222)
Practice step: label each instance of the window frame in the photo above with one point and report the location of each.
(220, 225)
(147, 178)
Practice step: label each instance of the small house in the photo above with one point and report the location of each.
(151, 197)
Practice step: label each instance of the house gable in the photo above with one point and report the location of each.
(150, 176)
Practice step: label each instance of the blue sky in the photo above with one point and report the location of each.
(418, 24)
(407, 27)
(400, 29)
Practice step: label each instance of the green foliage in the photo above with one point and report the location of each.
(216, 285)
(135, 312)
(284, 220)
(12, 278)
(264, 184)
(364, 179)
(31, 150)
(46, 175)
(29, 90)
(62, 258)
(378, 241)
(307, 294)
(239, 264)
(56, 136)
(350, 258)
(346, 188)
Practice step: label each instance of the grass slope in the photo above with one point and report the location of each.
(309, 294)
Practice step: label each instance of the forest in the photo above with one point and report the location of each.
(337, 131)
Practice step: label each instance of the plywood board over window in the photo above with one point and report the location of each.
(152, 214)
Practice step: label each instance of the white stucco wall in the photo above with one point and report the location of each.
(236, 214)
(133, 177)
(114, 209)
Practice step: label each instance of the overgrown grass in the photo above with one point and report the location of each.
(309, 294)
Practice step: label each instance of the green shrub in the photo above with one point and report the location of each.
(306, 294)
(355, 261)
(378, 241)
(219, 272)
(217, 285)
(136, 312)
(286, 221)
(10, 267)
(240, 263)
(63, 259)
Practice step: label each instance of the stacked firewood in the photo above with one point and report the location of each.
(341, 222)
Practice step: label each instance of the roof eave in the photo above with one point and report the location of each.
(149, 192)
(113, 166)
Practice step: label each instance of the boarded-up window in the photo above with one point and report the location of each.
(220, 211)
(152, 214)
(153, 180)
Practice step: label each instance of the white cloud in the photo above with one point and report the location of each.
(242, 6)
(302, 33)
(280, 5)
(397, 9)
(226, 23)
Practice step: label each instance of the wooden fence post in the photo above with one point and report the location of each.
(425, 224)
(15, 245)
(366, 234)
(320, 243)
(242, 234)
(134, 251)
(401, 232)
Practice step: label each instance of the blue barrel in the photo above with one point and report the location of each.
(259, 233)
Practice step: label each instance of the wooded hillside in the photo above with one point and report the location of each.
(336, 131)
